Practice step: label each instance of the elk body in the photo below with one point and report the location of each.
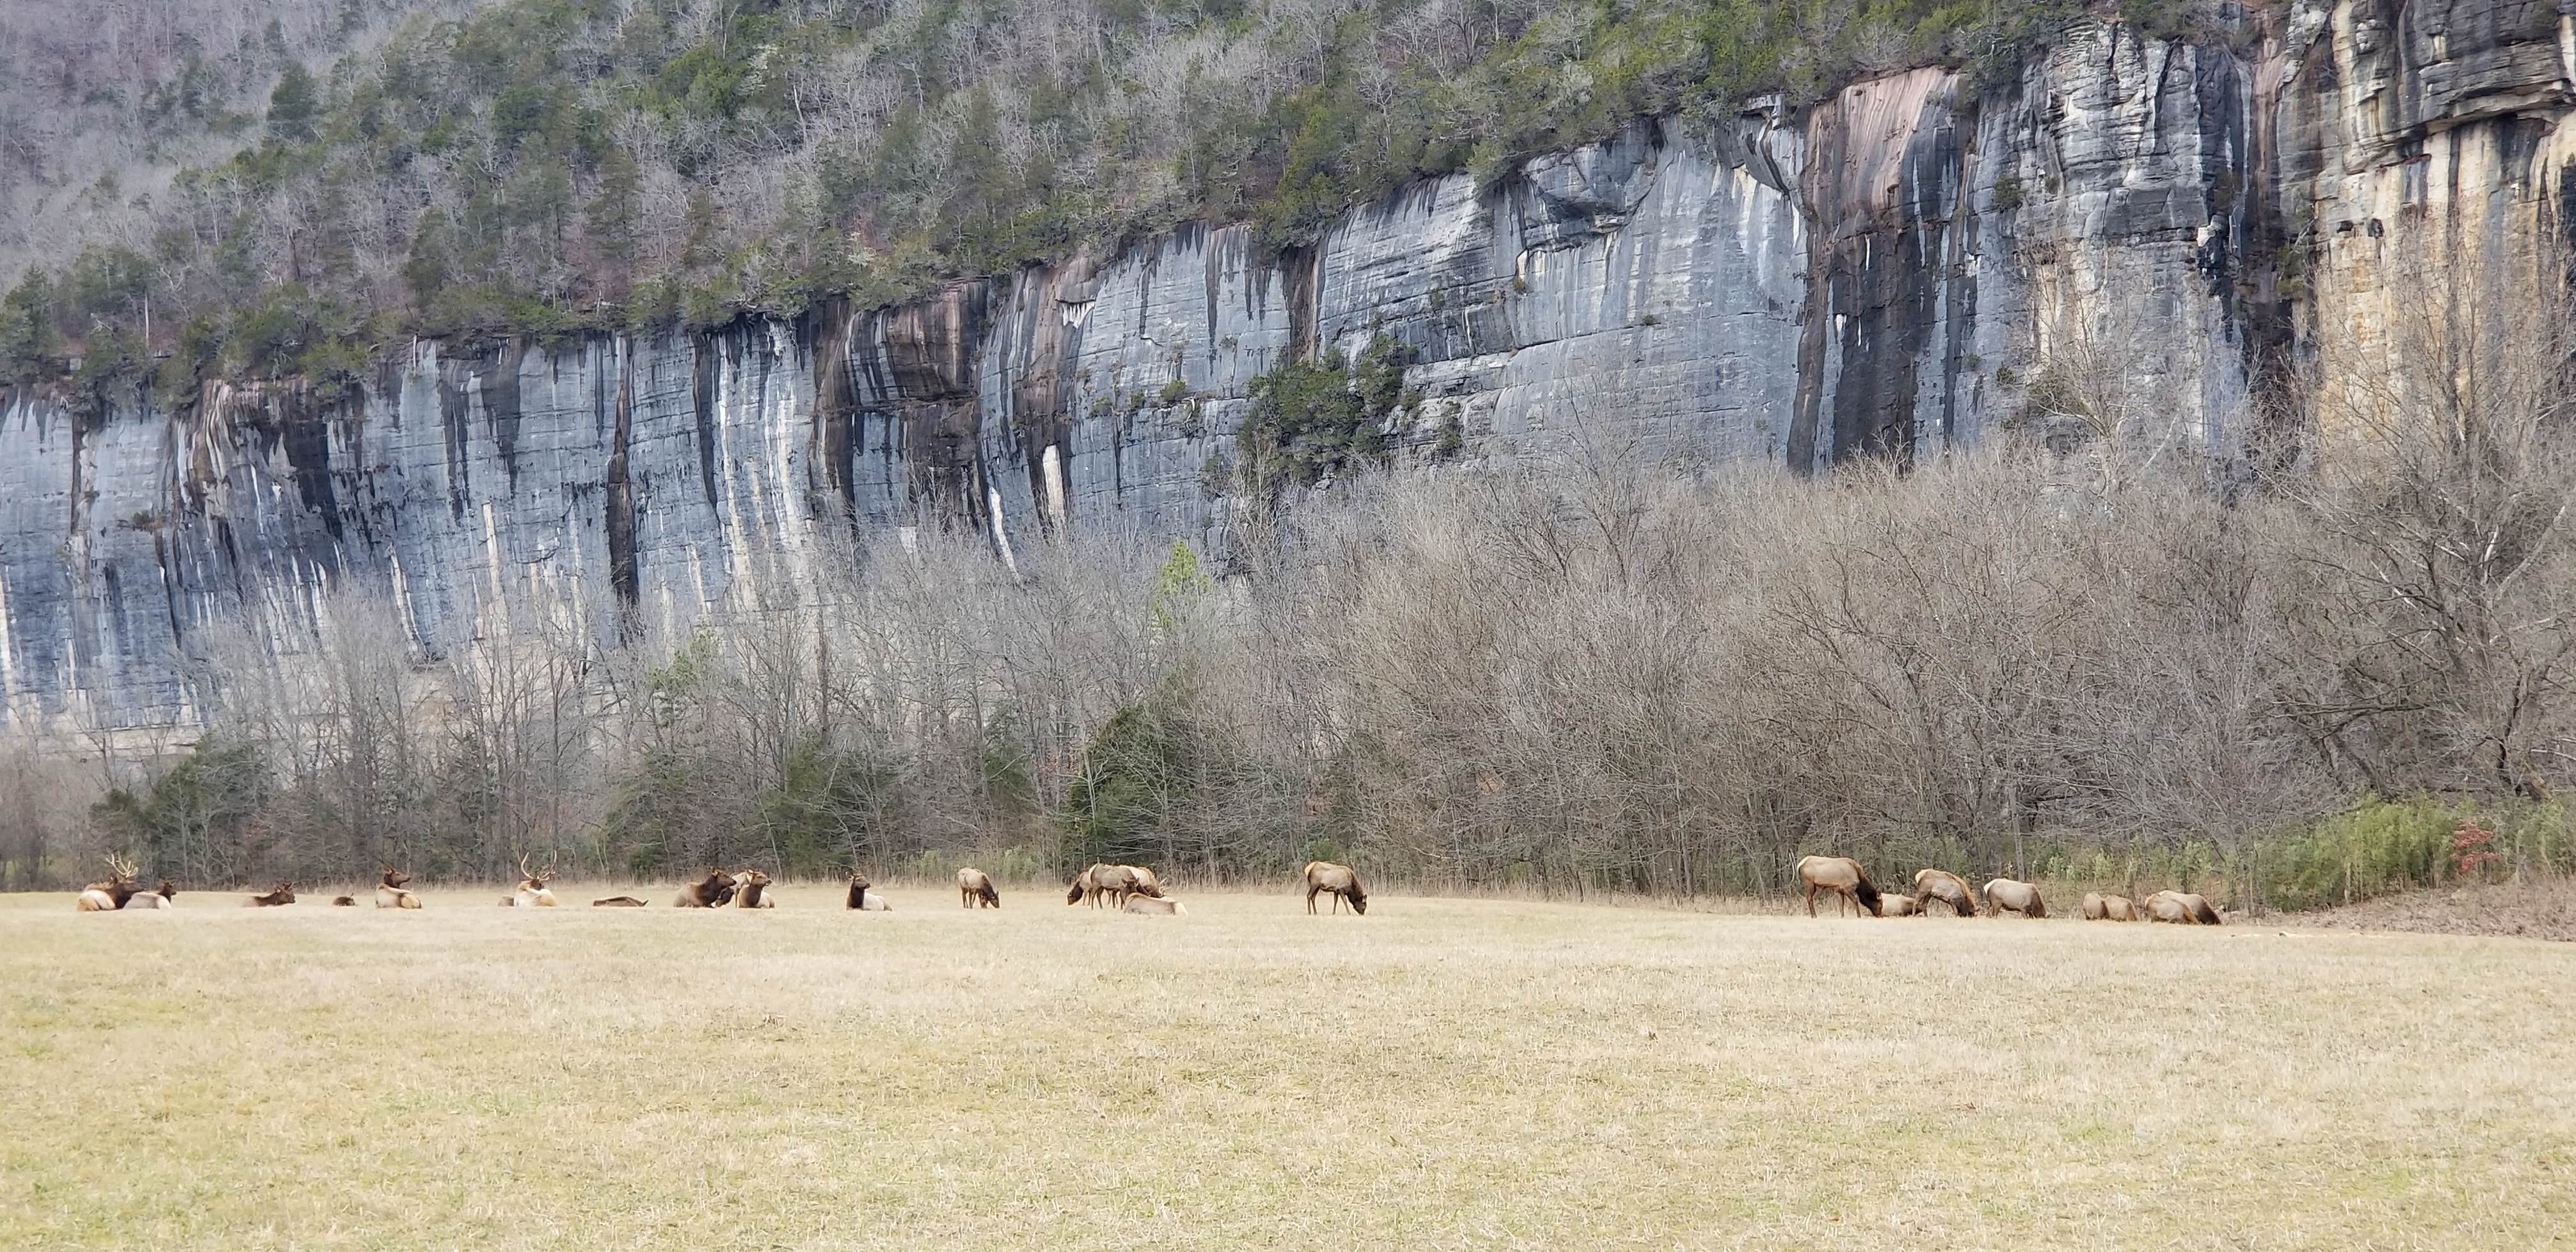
(1146, 883)
(2102, 908)
(2011, 895)
(109, 894)
(532, 892)
(1946, 887)
(166, 896)
(709, 892)
(617, 902)
(1842, 876)
(2182, 908)
(751, 890)
(282, 896)
(975, 890)
(390, 893)
(1894, 905)
(1113, 883)
(861, 900)
(1152, 906)
(344, 902)
(1340, 880)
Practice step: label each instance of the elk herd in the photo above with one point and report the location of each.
(1850, 885)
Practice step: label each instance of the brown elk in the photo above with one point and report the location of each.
(344, 902)
(752, 888)
(1892, 904)
(390, 893)
(284, 895)
(1946, 887)
(2011, 895)
(860, 900)
(110, 894)
(532, 892)
(2102, 908)
(166, 896)
(1842, 876)
(1146, 884)
(2182, 908)
(617, 902)
(1341, 880)
(1152, 906)
(1111, 882)
(710, 892)
(975, 890)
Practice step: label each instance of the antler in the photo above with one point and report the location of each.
(119, 868)
(524, 875)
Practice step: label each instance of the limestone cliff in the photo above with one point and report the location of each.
(1889, 273)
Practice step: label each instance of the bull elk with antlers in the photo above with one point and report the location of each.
(532, 893)
(110, 894)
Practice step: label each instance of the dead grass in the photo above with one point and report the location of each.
(1440, 1073)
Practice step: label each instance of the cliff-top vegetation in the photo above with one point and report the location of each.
(256, 190)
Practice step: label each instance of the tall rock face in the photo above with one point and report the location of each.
(2148, 233)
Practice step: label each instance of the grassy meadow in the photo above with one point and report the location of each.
(1441, 1073)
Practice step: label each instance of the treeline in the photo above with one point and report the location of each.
(538, 167)
(2077, 653)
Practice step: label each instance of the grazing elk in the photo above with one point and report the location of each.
(711, 892)
(617, 902)
(2102, 908)
(1341, 880)
(2011, 895)
(1146, 884)
(1946, 887)
(284, 895)
(1893, 905)
(752, 890)
(1842, 876)
(110, 894)
(1112, 882)
(532, 892)
(975, 890)
(390, 893)
(859, 898)
(2182, 908)
(1152, 906)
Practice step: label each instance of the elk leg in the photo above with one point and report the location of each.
(1311, 889)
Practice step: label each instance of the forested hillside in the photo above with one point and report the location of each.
(278, 189)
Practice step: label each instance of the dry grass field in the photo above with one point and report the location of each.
(1441, 1073)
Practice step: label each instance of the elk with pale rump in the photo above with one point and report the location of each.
(164, 897)
(1111, 882)
(709, 892)
(1152, 906)
(1341, 881)
(1894, 905)
(2102, 908)
(1946, 887)
(532, 893)
(752, 891)
(975, 890)
(2182, 908)
(859, 898)
(390, 893)
(1842, 876)
(110, 894)
(2012, 895)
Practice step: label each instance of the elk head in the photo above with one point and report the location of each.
(534, 880)
(394, 877)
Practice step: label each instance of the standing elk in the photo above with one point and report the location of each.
(2182, 908)
(975, 890)
(1842, 876)
(1341, 880)
(1152, 906)
(752, 890)
(532, 892)
(1946, 887)
(390, 893)
(710, 892)
(110, 894)
(1112, 882)
(284, 895)
(1146, 884)
(860, 900)
(2011, 895)
(2102, 908)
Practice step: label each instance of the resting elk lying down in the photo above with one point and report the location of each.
(1152, 906)
(165, 897)
(111, 893)
(617, 902)
(532, 892)
(2013, 895)
(283, 895)
(975, 890)
(710, 892)
(859, 898)
(2182, 908)
(751, 890)
(1341, 880)
(390, 893)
